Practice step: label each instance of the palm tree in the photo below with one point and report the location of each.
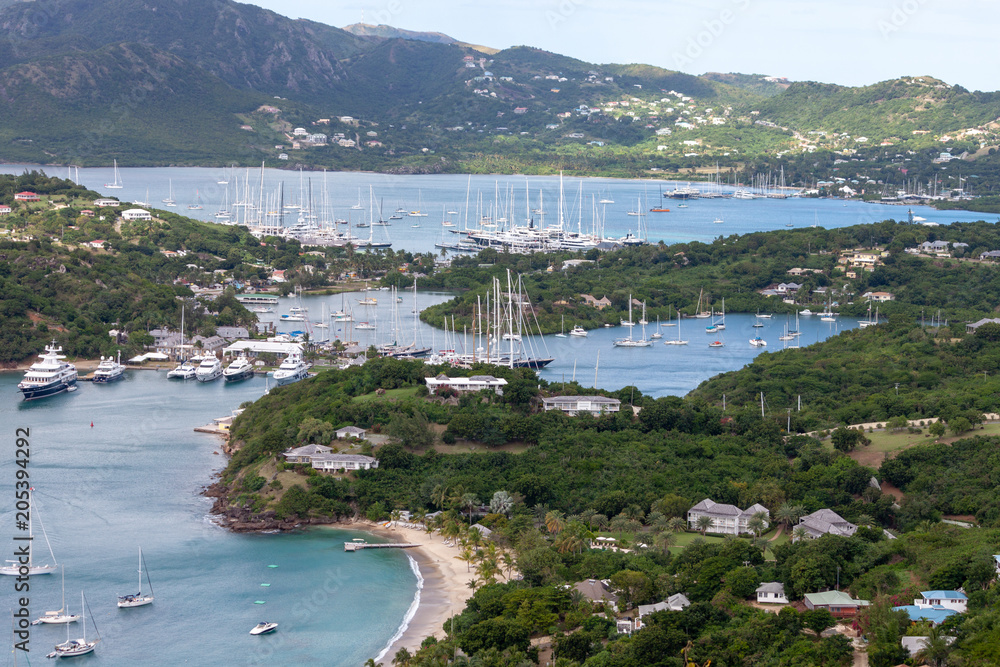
(936, 649)
(470, 500)
(475, 537)
(800, 533)
(507, 560)
(439, 495)
(703, 523)
(502, 503)
(665, 540)
(568, 542)
(467, 555)
(757, 523)
(865, 520)
(599, 521)
(789, 514)
(402, 658)
(394, 517)
(677, 524)
(456, 497)
(554, 522)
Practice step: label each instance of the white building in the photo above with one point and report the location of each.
(826, 522)
(726, 519)
(772, 592)
(953, 600)
(574, 405)
(331, 462)
(467, 384)
(351, 432)
(676, 602)
(136, 214)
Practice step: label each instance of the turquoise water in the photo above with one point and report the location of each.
(134, 479)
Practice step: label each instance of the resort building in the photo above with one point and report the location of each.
(726, 519)
(133, 214)
(574, 405)
(107, 203)
(466, 384)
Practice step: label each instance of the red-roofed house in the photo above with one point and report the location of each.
(87, 213)
(99, 244)
(26, 196)
(4, 209)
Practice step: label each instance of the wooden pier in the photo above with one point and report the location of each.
(358, 545)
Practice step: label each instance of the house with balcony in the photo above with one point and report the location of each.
(574, 405)
(726, 519)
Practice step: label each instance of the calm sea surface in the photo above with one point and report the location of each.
(504, 196)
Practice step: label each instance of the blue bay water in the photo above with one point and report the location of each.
(436, 193)
(134, 479)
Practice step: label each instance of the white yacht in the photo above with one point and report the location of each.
(183, 371)
(48, 377)
(209, 369)
(240, 369)
(292, 369)
(60, 615)
(578, 331)
(109, 370)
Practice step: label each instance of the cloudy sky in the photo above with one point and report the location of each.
(850, 42)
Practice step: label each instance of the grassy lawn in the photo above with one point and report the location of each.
(391, 394)
(888, 445)
(470, 447)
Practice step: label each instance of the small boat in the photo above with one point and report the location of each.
(72, 648)
(365, 326)
(682, 206)
(562, 328)
(678, 341)
(263, 628)
(169, 201)
(828, 318)
(806, 312)
(209, 369)
(659, 210)
(239, 369)
(656, 335)
(578, 331)
(183, 371)
(758, 342)
(716, 343)
(109, 370)
(197, 205)
(261, 309)
(137, 600)
(117, 183)
(48, 377)
(368, 301)
(62, 614)
(718, 221)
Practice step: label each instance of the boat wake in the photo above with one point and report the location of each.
(410, 613)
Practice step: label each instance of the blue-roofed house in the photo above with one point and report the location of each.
(954, 600)
(936, 616)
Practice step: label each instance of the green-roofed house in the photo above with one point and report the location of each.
(838, 603)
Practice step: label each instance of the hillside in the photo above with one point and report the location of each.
(421, 102)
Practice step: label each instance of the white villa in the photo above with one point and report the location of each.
(467, 384)
(953, 600)
(136, 214)
(574, 405)
(345, 432)
(772, 592)
(322, 458)
(726, 519)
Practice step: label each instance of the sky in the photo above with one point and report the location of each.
(849, 42)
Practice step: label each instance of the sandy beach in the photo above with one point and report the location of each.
(445, 588)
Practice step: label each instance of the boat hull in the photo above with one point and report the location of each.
(34, 570)
(236, 377)
(108, 378)
(135, 602)
(33, 392)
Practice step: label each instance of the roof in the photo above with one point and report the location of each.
(307, 450)
(944, 595)
(837, 598)
(576, 399)
(336, 458)
(933, 614)
(708, 506)
(771, 587)
(350, 429)
(595, 589)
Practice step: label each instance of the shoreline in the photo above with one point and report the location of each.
(445, 585)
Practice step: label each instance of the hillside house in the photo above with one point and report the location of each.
(880, 297)
(838, 603)
(466, 384)
(26, 196)
(953, 600)
(772, 592)
(345, 432)
(726, 519)
(332, 462)
(107, 203)
(599, 304)
(134, 214)
(4, 209)
(676, 602)
(971, 328)
(574, 405)
(826, 522)
(597, 591)
(305, 454)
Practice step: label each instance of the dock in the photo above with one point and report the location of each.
(358, 545)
